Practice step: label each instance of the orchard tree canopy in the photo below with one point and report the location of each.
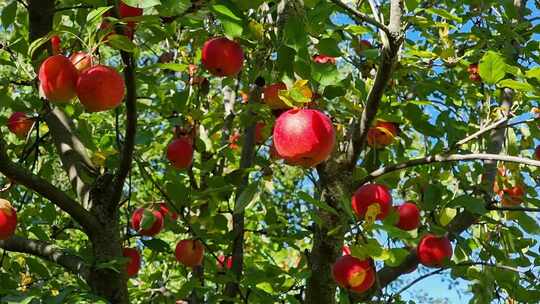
(252, 151)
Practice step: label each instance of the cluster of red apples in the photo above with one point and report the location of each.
(375, 201)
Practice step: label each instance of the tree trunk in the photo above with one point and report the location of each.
(321, 287)
(106, 246)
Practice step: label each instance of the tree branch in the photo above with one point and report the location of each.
(508, 208)
(44, 188)
(75, 161)
(481, 132)
(360, 17)
(246, 161)
(126, 157)
(49, 252)
(384, 72)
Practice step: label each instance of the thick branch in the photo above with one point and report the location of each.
(246, 161)
(360, 17)
(131, 128)
(49, 252)
(440, 158)
(384, 72)
(47, 190)
(518, 209)
(72, 152)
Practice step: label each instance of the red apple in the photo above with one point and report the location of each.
(512, 196)
(222, 57)
(371, 194)
(271, 96)
(382, 134)
(134, 264)
(58, 79)
(8, 219)
(166, 211)
(180, 153)
(147, 222)
(224, 261)
(474, 73)
(100, 88)
(56, 44)
(324, 59)
(432, 250)
(304, 137)
(189, 252)
(127, 11)
(537, 153)
(81, 60)
(409, 216)
(353, 274)
(345, 250)
(20, 124)
(362, 45)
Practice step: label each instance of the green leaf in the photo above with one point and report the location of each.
(36, 44)
(533, 73)
(432, 197)
(322, 205)
(246, 197)
(527, 223)
(492, 67)
(516, 85)
(97, 13)
(157, 245)
(121, 42)
(176, 67)
(472, 204)
(230, 17)
(444, 13)
(9, 12)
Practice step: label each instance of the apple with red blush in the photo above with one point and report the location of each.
(304, 137)
(20, 124)
(382, 134)
(324, 59)
(180, 152)
(271, 96)
(134, 264)
(353, 274)
(189, 252)
(224, 262)
(409, 216)
(166, 212)
(8, 219)
(58, 79)
(434, 251)
(56, 45)
(82, 61)
(147, 222)
(372, 199)
(100, 88)
(222, 57)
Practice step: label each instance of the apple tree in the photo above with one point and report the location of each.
(252, 151)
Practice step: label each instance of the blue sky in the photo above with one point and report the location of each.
(438, 286)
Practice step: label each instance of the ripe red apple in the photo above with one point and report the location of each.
(271, 97)
(180, 152)
(58, 79)
(166, 211)
(100, 88)
(147, 222)
(224, 261)
(345, 250)
(409, 216)
(8, 219)
(222, 57)
(371, 194)
(127, 11)
(56, 45)
(382, 134)
(537, 153)
(304, 137)
(513, 196)
(432, 250)
(134, 264)
(81, 60)
(353, 274)
(324, 59)
(189, 252)
(20, 124)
